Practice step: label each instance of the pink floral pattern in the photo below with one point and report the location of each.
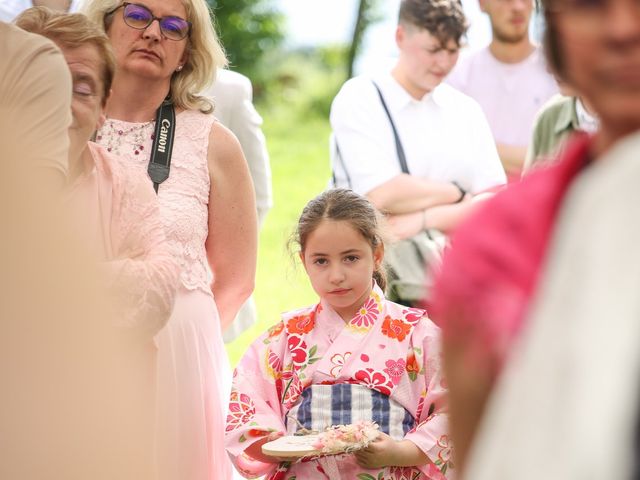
(444, 461)
(290, 387)
(338, 360)
(403, 473)
(280, 473)
(413, 367)
(421, 404)
(444, 454)
(413, 315)
(298, 349)
(435, 473)
(367, 315)
(241, 410)
(301, 324)
(395, 328)
(276, 330)
(375, 380)
(395, 369)
(274, 364)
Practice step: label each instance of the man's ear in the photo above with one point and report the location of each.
(401, 34)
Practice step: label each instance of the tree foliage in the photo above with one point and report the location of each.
(366, 15)
(248, 29)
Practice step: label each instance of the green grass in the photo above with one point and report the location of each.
(299, 154)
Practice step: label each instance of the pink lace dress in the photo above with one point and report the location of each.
(121, 224)
(119, 219)
(192, 364)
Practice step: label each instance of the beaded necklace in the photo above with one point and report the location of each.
(114, 138)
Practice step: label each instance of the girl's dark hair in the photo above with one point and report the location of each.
(342, 204)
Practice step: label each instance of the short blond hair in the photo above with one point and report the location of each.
(70, 30)
(205, 53)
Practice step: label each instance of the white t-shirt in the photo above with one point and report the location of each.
(510, 94)
(10, 9)
(444, 135)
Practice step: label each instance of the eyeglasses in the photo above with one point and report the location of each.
(140, 17)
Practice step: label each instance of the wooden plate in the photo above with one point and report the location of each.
(292, 446)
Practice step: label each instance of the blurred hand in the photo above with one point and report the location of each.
(382, 452)
(255, 450)
(405, 225)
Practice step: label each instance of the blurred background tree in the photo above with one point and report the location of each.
(366, 15)
(248, 29)
(293, 85)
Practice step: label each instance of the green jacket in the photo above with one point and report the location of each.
(555, 121)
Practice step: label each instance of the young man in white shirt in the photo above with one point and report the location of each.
(450, 153)
(508, 78)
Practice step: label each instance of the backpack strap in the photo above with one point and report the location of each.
(402, 159)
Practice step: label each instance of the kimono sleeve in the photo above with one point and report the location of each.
(431, 432)
(255, 409)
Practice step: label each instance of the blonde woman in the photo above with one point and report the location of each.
(168, 50)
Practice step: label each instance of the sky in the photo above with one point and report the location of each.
(318, 22)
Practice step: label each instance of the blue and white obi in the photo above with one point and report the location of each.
(321, 406)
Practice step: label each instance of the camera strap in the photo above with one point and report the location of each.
(160, 161)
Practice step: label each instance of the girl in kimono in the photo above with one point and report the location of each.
(353, 356)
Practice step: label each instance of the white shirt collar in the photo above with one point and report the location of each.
(397, 97)
(588, 123)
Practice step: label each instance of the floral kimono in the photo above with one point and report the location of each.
(313, 370)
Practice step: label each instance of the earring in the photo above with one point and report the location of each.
(179, 68)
